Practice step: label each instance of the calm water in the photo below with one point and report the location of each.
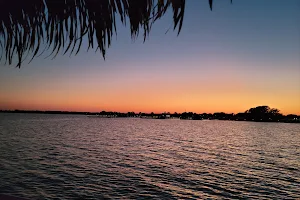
(76, 157)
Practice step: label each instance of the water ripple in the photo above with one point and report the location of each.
(74, 157)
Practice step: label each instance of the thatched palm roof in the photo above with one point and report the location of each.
(28, 26)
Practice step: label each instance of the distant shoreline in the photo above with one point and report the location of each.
(47, 112)
(182, 116)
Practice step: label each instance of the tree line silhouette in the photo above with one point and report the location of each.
(257, 114)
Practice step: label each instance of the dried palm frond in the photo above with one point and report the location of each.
(27, 25)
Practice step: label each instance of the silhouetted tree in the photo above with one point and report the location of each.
(206, 116)
(131, 114)
(291, 116)
(241, 116)
(187, 115)
(175, 114)
(263, 113)
(102, 113)
(196, 116)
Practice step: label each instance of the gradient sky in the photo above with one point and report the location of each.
(235, 57)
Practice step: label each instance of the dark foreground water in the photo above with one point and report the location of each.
(76, 157)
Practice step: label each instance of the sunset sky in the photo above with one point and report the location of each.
(235, 57)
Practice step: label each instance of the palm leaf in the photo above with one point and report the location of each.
(62, 24)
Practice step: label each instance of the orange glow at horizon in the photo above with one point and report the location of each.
(159, 106)
(223, 86)
(223, 92)
(222, 61)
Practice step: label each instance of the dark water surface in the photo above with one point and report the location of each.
(76, 157)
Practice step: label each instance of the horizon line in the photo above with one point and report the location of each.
(165, 112)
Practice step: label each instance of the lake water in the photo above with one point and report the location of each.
(76, 157)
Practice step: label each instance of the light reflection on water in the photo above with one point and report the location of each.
(76, 157)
